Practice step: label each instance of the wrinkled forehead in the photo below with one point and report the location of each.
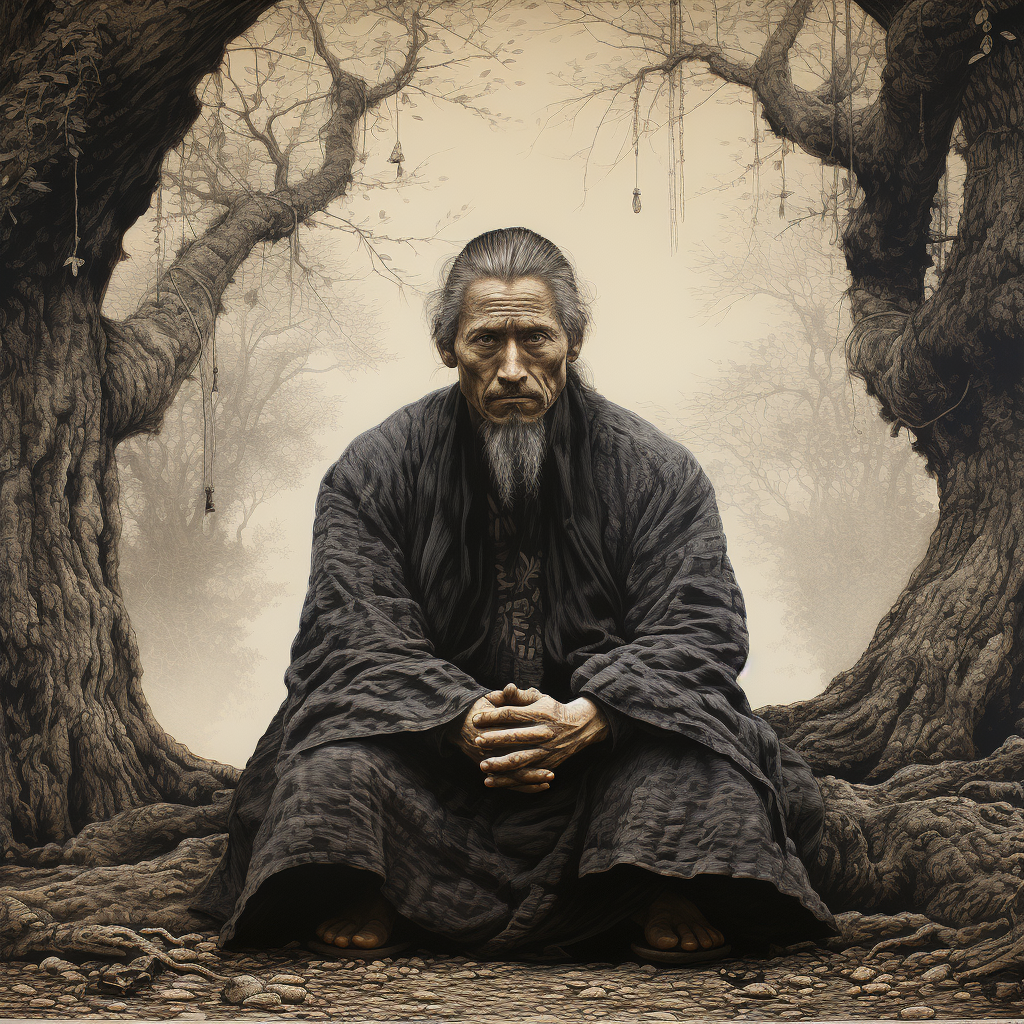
(523, 300)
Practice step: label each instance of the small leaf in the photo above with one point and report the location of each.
(74, 262)
(981, 16)
(39, 186)
(1006, 34)
(416, 117)
(977, 56)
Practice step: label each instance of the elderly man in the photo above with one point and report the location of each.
(512, 719)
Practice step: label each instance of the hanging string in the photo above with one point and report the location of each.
(677, 210)
(208, 403)
(835, 118)
(757, 160)
(783, 193)
(636, 151)
(397, 156)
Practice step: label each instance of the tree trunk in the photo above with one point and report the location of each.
(942, 675)
(77, 737)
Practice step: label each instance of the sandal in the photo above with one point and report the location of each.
(681, 956)
(355, 952)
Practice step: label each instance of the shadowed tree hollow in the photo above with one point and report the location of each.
(917, 744)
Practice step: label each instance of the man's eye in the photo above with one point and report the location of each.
(484, 339)
(538, 337)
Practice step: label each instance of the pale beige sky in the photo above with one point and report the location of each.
(649, 346)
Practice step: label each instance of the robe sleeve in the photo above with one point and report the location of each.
(362, 663)
(685, 626)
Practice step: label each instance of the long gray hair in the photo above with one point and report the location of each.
(507, 254)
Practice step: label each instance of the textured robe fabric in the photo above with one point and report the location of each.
(411, 616)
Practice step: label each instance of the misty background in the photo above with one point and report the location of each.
(731, 339)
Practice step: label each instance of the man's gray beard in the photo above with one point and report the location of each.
(515, 454)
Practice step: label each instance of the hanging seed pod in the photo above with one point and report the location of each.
(636, 200)
(209, 500)
(397, 156)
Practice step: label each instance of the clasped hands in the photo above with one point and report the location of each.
(518, 736)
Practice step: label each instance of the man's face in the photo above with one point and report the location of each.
(511, 349)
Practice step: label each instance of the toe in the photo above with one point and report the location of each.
(371, 935)
(659, 933)
(341, 933)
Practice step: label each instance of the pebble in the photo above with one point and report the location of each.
(594, 992)
(939, 973)
(875, 988)
(961, 995)
(661, 1015)
(805, 991)
(917, 1012)
(648, 969)
(287, 979)
(42, 1002)
(375, 976)
(55, 965)
(798, 980)
(117, 1007)
(288, 993)
(240, 988)
(853, 990)
(23, 990)
(183, 956)
(263, 1000)
(760, 990)
(424, 995)
(175, 995)
(862, 974)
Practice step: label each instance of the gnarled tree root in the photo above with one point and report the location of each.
(114, 884)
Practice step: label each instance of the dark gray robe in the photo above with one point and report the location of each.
(406, 624)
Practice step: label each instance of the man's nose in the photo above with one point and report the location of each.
(512, 368)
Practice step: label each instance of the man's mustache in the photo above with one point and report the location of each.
(512, 394)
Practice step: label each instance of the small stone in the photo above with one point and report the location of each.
(798, 980)
(594, 992)
(175, 995)
(55, 965)
(463, 974)
(823, 969)
(660, 1015)
(41, 1001)
(423, 995)
(183, 956)
(862, 974)
(239, 988)
(917, 1012)
(939, 973)
(288, 993)
(117, 1007)
(961, 995)
(853, 990)
(805, 991)
(760, 990)
(207, 947)
(875, 988)
(23, 989)
(67, 997)
(192, 939)
(883, 978)
(648, 969)
(263, 1000)
(791, 1014)
(73, 976)
(1007, 989)
(287, 979)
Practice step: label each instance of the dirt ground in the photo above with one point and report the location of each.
(808, 983)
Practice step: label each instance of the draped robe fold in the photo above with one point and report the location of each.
(642, 613)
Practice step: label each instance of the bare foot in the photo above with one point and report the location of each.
(672, 920)
(366, 926)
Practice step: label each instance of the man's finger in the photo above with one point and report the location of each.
(504, 716)
(512, 696)
(522, 777)
(529, 736)
(515, 759)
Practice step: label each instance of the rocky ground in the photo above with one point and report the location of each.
(808, 983)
